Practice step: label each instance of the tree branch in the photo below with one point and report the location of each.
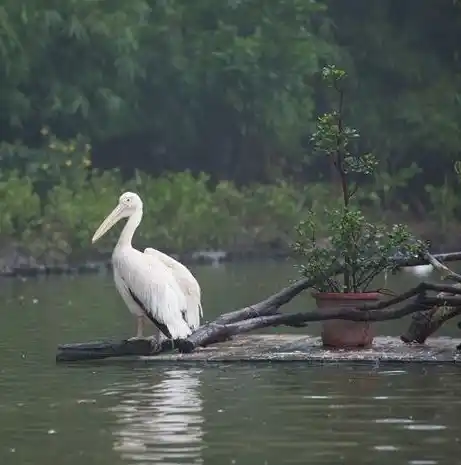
(424, 260)
(444, 305)
(446, 273)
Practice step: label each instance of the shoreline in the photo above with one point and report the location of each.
(17, 261)
(103, 264)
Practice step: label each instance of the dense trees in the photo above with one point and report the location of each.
(232, 89)
(229, 87)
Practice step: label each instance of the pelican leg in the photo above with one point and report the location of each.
(140, 326)
(157, 339)
(156, 335)
(139, 329)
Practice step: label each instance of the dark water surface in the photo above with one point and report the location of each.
(274, 414)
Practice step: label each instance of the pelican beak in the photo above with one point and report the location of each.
(115, 215)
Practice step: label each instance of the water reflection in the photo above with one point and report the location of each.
(160, 422)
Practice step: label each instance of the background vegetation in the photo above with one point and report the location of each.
(165, 91)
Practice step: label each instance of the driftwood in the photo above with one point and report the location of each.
(425, 323)
(430, 312)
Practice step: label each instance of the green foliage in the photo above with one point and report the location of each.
(69, 62)
(73, 210)
(360, 249)
(53, 205)
(405, 92)
(162, 68)
(445, 203)
(19, 205)
(232, 83)
(180, 210)
(388, 187)
(228, 88)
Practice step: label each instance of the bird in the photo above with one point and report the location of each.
(147, 286)
(420, 271)
(188, 284)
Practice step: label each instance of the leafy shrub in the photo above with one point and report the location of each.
(19, 205)
(356, 248)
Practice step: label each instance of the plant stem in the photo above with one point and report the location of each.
(339, 152)
(367, 281)
(343, 178)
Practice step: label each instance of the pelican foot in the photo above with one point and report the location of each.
(136, 338)
(156, 345)
(153, 339)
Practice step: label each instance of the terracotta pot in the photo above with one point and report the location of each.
(342, 333)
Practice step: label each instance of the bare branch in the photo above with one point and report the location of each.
(446, 273)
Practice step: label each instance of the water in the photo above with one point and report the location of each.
(243, 414)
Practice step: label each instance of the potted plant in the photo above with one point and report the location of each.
(360, 249)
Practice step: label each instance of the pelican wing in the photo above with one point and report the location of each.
(188, 284)
(153, 287)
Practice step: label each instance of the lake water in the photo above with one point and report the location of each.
(244, 414)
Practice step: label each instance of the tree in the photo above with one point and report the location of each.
(69, 65)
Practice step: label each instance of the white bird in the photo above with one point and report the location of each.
(147, 286)
(420, 271)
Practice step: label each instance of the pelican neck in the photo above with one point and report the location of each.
(128, 231)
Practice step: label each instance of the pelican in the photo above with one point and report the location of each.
(147, 286)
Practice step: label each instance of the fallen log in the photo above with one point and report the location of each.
(426, 323)
(99, 350)
(266, 314)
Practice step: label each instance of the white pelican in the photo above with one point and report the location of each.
(147, 286)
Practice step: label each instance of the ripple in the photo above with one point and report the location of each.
(351, 405)
(425, 427)
(386, 448)
(423, 462)
(394, 420)
(392, 372)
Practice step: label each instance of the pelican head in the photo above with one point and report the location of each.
(128, 203)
